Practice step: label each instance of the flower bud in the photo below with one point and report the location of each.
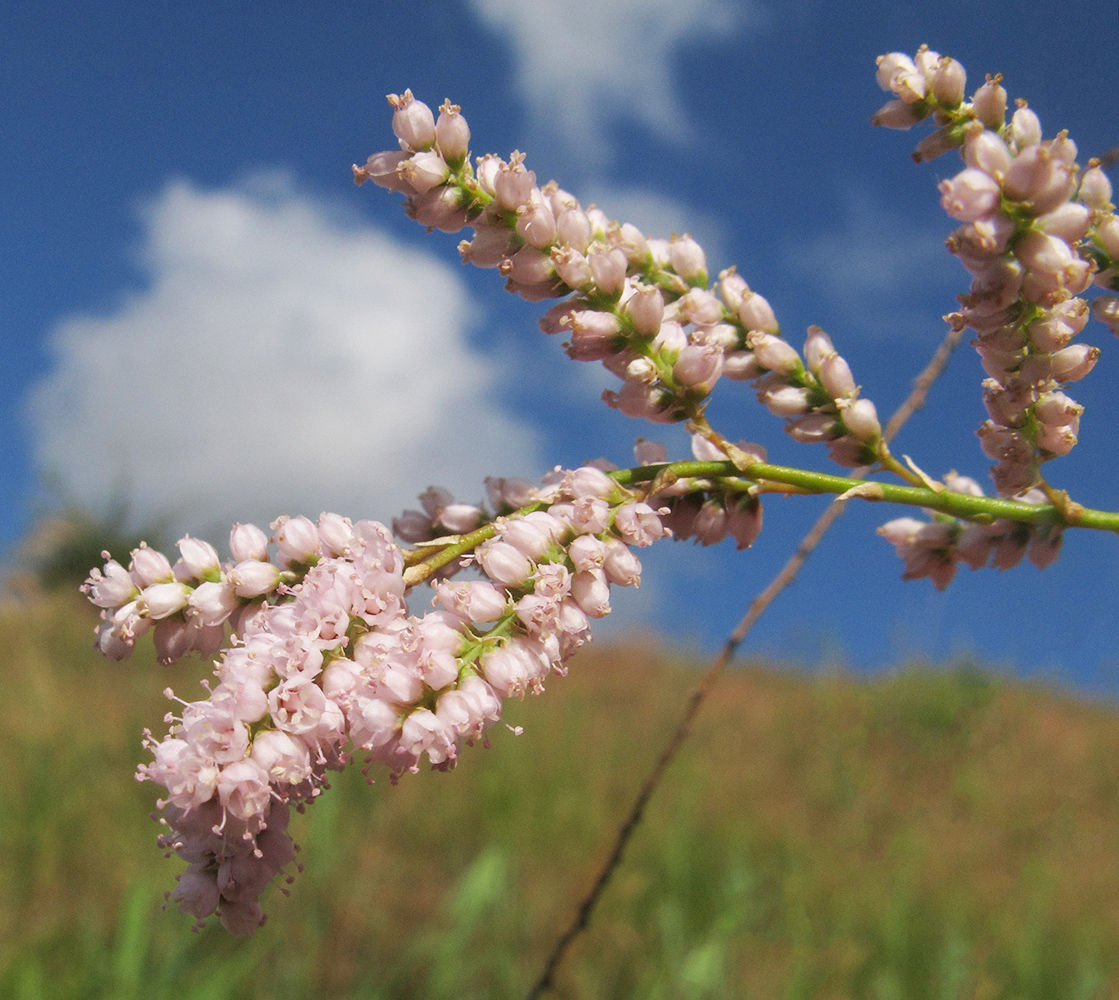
(252, 578)
(987, 151)
(774, 353)
(786, 401)
(1070, 364)
(424, 171)
(412, 122)
(383, 169)
(149, 566)
(573, 228)
(1095, 189)
(630, 240)
(608, 267)
(898, 74)
(413, 526)
(214, 602)
(744, 521)
(199, 558)
(732, 287)
(452, 135)
(490, 246)
(756, 313)
(572, 267)
(535, 223)
(460, 518)
(970, 195)
(895, 114)
(513, 184)
(247, 541)
(645, 310)
(860, 417)
(1025, 127)
(741, 366)
(836, 377)
(440, 208)
(698, 367)
(297, 538)
(1068, 221)
(949, 81)
(989, 103)
(688, 260)
(162, 599)
(504, 563)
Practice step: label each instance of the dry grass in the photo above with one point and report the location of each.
(933, 833)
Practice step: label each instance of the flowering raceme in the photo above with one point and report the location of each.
(319, 660)
(326, 663)
(1037, 232)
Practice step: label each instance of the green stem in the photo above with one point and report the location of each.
(982, 510)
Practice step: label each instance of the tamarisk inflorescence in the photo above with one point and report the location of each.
(318, 658)
(326, 663)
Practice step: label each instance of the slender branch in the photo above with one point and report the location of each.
(971, 508)
(913, 402)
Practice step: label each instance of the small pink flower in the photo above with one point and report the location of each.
(243, 789)
(424, 732)
(412, 121)
(284, 759)
(199, 558)
(452, 135)
(774, 353)
(504, 563)
(254, 579)
(970, 195)
(513, 184)
(246, 542)
(163, 599)
(638, 524)
(688, 260)
(474, 600)
(149, 567)
(591, 592)
(111, 587)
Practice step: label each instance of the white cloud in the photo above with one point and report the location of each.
(581, 64)
(282, 360)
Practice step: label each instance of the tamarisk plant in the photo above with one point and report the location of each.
(318, 660)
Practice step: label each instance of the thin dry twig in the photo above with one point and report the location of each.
(913, 402)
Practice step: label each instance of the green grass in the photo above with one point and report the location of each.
(937, 833)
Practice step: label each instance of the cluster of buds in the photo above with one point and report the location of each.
(707, 511)
(1036, 232)
(641, 306)
(934, 548)
(187, 605)
(328, 663)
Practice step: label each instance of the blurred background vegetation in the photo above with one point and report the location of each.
(941, 832)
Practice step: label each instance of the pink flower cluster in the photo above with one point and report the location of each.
(1035, 233)
(189, 603)
(703, 510)
(640, 306)
(936, 547)
(334, 665)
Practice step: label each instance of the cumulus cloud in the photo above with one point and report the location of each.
(281, 360)
(582, 64)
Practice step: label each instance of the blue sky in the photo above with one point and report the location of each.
(201, 314)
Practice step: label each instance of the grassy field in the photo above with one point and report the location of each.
(937, 834)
